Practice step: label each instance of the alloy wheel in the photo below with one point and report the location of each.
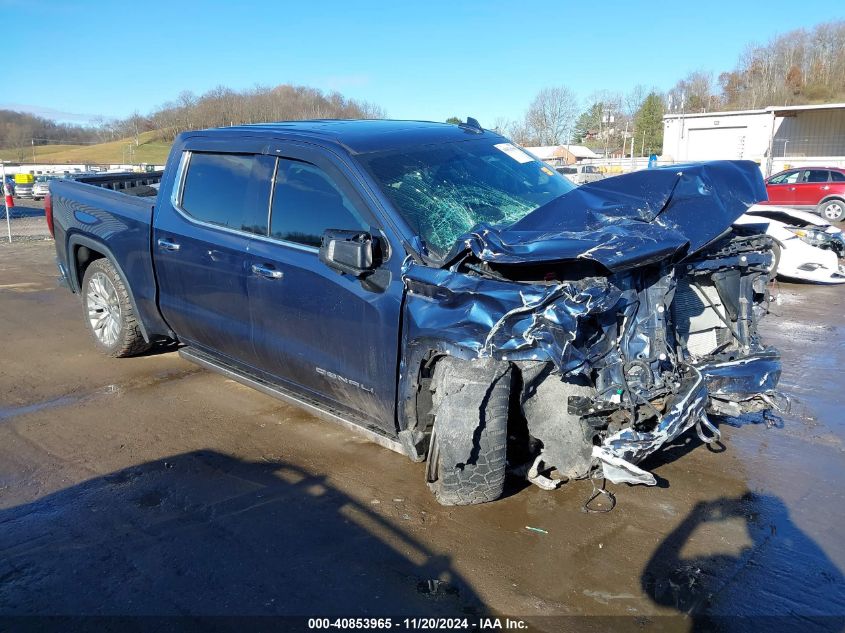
(832, 210)
(103, 309)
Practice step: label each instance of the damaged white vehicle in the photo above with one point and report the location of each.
(807, 247)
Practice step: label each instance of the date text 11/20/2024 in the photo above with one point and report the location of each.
(419, 624)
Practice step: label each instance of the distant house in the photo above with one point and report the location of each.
(562, 154)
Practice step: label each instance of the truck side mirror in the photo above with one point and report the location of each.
(352, 252)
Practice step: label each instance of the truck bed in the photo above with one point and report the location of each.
(133, 184)
(112, 216)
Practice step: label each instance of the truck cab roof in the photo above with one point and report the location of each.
(357, 136)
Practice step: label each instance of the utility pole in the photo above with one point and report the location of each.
(567, 138)
(609, 120)
(624, 144)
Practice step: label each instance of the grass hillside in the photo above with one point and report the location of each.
(149, 150)
(41, 152)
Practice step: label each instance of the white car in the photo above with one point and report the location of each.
(580, 174)
(807, 247)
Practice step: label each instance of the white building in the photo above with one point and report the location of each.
(776, 137)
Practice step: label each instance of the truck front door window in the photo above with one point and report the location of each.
(306, 202)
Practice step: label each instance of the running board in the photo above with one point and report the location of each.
(282, 394)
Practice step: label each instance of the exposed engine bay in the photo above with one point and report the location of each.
(616, 351)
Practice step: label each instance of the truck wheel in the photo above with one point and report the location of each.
(108, 311)
(468, 447)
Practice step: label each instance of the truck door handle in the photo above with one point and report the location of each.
(792, 188)
(267, 273)
(167, 245)
(825, 187)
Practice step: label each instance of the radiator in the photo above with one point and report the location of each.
(697, 320)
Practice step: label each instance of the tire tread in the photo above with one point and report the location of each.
(131, 341)
(486, 407)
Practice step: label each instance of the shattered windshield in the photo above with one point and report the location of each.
(444, 190)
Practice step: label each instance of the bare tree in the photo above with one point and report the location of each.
(519, 132)
(502, 125)
(634, 100)
(551, 116)
(20, 139)
(222, 106)
(801, 66)
(697, 92)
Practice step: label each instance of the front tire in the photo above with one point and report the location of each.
(776, 252)
(832, 210)
(108, 311)
(468, 447)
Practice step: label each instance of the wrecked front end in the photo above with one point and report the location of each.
(624, 329)
(720, 300)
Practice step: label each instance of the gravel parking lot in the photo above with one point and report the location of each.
(148, 486)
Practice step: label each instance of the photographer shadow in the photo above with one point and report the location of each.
(775, 578)
(208, 534)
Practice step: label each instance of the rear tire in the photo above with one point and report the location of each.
(468, 448)
(108, 311)
(832, 210)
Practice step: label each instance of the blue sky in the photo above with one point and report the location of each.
(425, 60)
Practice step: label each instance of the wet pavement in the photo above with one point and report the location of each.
(148, 486)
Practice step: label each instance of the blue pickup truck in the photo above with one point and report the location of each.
(437, 288)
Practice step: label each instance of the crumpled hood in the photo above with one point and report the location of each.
(629, 220)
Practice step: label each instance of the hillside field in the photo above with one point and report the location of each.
(149, 150)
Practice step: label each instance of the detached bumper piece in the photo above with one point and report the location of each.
(619, 453)
(744, 385)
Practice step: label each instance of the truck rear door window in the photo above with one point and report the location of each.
(231, 190)
(306, 202)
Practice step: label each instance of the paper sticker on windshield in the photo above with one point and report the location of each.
(514, 152)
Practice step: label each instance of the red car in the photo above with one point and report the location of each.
(819, 189)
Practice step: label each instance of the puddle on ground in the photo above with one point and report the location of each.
(7, 413)
(13, 412)
(25, 287)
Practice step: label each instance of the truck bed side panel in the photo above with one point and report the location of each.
(118, 226)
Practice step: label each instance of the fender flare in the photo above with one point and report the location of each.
(74, 242)
(415, 355)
